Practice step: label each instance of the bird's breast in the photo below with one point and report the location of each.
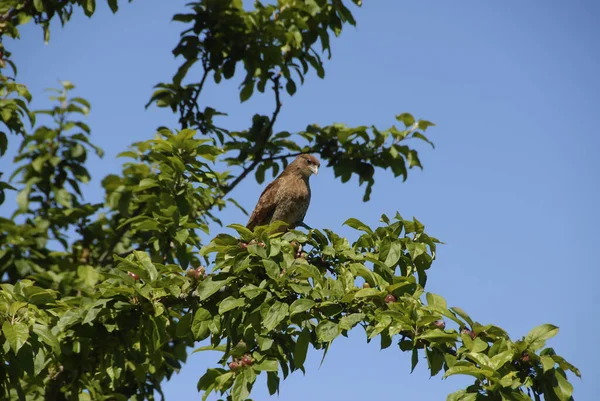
(293, 199)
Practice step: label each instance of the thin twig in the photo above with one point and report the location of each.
(194, 101)
(261, 149)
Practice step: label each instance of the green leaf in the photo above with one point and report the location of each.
(436, 300)
(301, 305)
(271, 268)
(327, 331)
(144, 259)
(497, 361)
(468, 370)
(242, 231)
(394, 254)
(200, 323)
(351, 320)
(230, 303)
(267, 365)
(219, 348)
(301, 348)
(462, 314)
(272, 382)
(210, 286)
(547, 363)
(276, 313)
(358, 225)
(47, 337)
(478, 345)
(39, 296)
(435, 360)
(537, 337)
(406, 118)
(247, 91)
(367, 292)
(114, 6)
(240, 391)
(438, 335)
(90, 7)
(23, 199)
(415, 249)
(512, 395)
(208, 379)
(16, 334)
(563, 389)
(290, 86)
(184, 325)
(414, 360)
(39, 6)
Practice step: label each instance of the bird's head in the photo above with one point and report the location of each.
(305, 165)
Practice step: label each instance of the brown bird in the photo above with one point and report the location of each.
(288, 196)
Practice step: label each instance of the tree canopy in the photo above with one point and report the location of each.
(106, 300)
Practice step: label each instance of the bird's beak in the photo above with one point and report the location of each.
(314, 169)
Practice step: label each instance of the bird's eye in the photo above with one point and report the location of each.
(308, 161)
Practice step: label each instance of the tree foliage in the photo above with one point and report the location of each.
(105, 300)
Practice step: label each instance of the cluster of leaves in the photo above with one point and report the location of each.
(67, 316)
(95, 299)
(18, 12)
(277, 302)
(272, 41)
(348, 150)
(14, 97)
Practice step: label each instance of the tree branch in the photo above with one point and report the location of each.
(261, 149)
(194, 101)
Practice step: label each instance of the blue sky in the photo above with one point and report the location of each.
(512, 187)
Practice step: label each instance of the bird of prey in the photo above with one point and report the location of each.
(288, 196)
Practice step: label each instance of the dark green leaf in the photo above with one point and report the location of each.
(301, 348)
(327, 331)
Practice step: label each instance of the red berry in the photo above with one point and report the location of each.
(133, 275)
(440, 324)
(390, 298)
(525, 356)
(243, 245)
(234, 365)
(247, 360)
(261, 244)
(191, 273)
(470, 333)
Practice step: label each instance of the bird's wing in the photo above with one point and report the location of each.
(265, 207)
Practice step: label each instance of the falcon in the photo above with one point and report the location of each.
(288, 196)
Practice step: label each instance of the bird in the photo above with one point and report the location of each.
(288, 196)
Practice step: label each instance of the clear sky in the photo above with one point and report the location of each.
(512, 187)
